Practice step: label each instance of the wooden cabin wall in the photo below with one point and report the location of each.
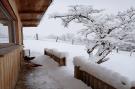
(9, 68)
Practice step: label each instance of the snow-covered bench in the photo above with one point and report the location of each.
(99, 77)
(59, 57)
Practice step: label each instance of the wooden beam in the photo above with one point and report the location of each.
(30, 20)
(3, 19)
(30, 12)
(29, 25)
(8, 8)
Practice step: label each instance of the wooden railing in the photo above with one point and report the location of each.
(10, 63)
(91, 80)
(60, 61)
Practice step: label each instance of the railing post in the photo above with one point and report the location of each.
(62, 61)
(77, 72)
(44, 52)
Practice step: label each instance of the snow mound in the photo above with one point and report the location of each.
(102, 73)
(56, 52)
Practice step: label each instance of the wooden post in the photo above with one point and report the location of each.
(87, 79)
(57, 39)
(77, 72)
(62, 61)
(44, 52)
(37, 38)
(72, 41)
(29, 52)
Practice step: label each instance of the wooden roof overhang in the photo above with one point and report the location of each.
(31, 11)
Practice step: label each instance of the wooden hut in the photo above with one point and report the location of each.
(14, 15)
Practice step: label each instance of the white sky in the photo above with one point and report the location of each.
(53, 26)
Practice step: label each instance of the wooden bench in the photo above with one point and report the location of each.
(61, 61)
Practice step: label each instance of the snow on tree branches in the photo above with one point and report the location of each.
(109, 30)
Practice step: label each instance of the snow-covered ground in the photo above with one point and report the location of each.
(4, 40)
(71, 50)
(50, 75)
(120, 62)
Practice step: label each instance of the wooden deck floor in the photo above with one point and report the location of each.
(37, 77)
(48, 76)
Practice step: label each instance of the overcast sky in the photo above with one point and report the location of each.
(53, 26)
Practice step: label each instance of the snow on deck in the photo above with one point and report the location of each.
(122, 63)
(50, 75)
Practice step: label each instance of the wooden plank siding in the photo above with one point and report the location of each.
(9, 68)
